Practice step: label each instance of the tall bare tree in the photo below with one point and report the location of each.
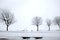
(48, 21)
(37, 21)
(7, 17)
(57, 20)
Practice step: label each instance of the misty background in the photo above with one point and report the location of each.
(25, 10)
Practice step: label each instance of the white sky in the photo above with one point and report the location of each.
(25, 10)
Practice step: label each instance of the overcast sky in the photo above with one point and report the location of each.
(25, 10)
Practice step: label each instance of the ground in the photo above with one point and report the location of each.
(17, 35)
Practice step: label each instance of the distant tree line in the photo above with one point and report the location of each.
(38, 21)
(8, 18)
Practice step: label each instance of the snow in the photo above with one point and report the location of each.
(17, 35)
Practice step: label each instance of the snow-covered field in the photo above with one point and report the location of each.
(47, 35)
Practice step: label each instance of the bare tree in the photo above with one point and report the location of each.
(57, 20)
(48, 21)
(7, 17)
(37, 21)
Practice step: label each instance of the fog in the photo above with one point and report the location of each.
(25, 10)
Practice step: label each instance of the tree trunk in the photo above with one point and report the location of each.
(7, 28)
(49, 28)
(37, 28)
(59, 26)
